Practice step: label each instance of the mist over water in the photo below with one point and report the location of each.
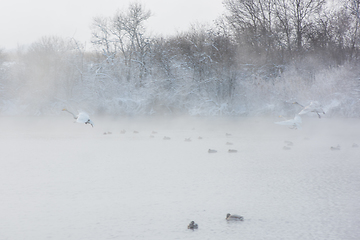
(64, 180)
(184, 128)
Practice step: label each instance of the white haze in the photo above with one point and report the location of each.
(24, 22)
(62, 180)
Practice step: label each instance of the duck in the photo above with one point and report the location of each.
(286, 148)
(335, 148)
(230, 217)
(166, 138)
(355, 145)
(229, 143)
(193, 225)
(212, 151)
(232, 151)
(187, 139)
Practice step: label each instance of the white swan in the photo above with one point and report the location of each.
(81, 117)
(294, 123)
(312, 107)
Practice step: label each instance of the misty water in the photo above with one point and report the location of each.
(61, 180)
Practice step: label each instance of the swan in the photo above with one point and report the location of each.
(234, 217)
(294, 123)
(193, 225)
(81, 117)
(312, 107)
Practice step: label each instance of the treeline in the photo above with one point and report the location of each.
(255, 59)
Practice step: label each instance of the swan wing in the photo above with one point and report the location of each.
(305, 110)
(297, 119)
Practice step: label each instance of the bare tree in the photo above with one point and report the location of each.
(102, 37)
(253, 22)
(354, 7)
(128, 27)
(302, 14)
(284, 26)
(124, 34)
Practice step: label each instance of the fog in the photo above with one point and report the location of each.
(26, 22)
(65, 180)
(186, 128)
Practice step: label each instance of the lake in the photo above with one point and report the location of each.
(64, 180)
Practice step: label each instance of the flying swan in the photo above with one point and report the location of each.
(81, 117)
(312, 107)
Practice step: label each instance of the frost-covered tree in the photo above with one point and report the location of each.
(123, 36)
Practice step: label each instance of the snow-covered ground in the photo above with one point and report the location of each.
(60, 180)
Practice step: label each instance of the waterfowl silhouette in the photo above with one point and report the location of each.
(335, 148)
(234, 217)
(192, 225)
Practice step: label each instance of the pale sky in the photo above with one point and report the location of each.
(23, 21)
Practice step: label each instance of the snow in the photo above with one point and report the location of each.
(61, 180)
